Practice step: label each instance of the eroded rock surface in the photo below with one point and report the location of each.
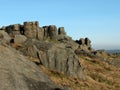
(49, 44)
(18, 73)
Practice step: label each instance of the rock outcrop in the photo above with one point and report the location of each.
(55, 57)
(13, 29)
(28, 53)
(51, 46)
(4, 37)
(61, 31)
(84, 45)
(18, 73)
(30, 29)
(33, 31)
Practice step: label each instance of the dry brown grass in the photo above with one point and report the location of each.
(16, 45)
(106, 75)
(100, 76)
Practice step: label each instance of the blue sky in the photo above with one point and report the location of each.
(98, 20)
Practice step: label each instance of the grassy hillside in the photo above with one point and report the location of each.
(99, 76)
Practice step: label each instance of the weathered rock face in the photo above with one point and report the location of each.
(45, 28)
(33, 31)
(85, 41)
(4, 37)
(40, 34)
(61, 31)
(88, 42)
(52, 30)
(52, 48)
(13, 29)
(58, 57)
(82, 41)
(18, 73)
(85, 44)
(63, 60)
(19, 39)
(30, 29)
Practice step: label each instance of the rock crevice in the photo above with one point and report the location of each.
(49, 44)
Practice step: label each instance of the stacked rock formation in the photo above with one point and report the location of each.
(84, 44)
(32, 30)
(51, 46)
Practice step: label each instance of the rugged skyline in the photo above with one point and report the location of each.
(97, 19)
(46, 58)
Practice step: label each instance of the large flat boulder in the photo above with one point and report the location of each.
(18, 73)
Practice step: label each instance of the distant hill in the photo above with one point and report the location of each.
(113, 51)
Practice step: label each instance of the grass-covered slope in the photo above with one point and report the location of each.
(100, 76)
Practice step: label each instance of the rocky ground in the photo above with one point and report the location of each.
(45, 58)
